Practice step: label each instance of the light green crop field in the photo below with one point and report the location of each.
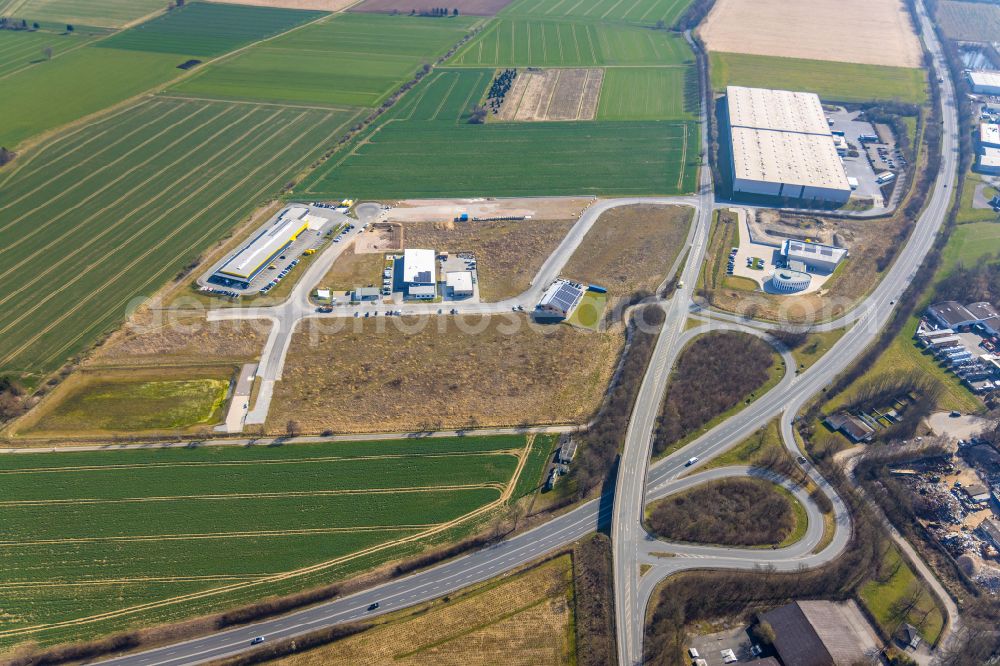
(426, 148)
(546, 43)
(136, 405)
(99, 13)
(74, 85)
(148, 536)
(206, 29)
(969, 21)
(632, 11)
(649, 93)
(832, 81)
(19, 50)
(969, 242)
(106, 214)
(354, 59)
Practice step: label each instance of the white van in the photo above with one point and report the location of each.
(692, 460)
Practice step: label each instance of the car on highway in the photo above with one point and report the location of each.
(373, 606)
(801, 460)
(257, 640)
(692, 460)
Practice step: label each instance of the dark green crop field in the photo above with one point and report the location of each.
(426, 148)
(145, 536)
(108, 213)
(353, 59)
(206, 29)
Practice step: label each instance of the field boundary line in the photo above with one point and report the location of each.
(181, 96)
(108, 185)
(6, 360)
(276, 578)
(253, 496)
(207, 536)
(613, 7)
(444, 98)
(19, 169)
(54, 56)
(124, 197)
(684, 148)
(134, 581)
(266, 461)
(51, 134)
(273, 182)
(95, 172)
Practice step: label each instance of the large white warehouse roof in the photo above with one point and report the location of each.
(762, 108)
(418, 266)
(787, 157)
(985, 79)
(262, 248)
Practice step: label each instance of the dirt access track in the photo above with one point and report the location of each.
(472, 7)
(869, 32)
(446, 210)
(320, 5)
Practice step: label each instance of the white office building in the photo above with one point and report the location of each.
(812, 257)
(419, 274)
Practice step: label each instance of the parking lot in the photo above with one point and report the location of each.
(710, 647)
(328, 225)
(860, 167)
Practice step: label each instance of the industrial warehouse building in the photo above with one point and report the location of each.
(241, 268)
(419, 270)
(459, 283)
(985, 82)
(782, 146)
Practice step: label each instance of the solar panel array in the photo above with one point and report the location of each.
(566, 296)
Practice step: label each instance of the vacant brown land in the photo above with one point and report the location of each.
(508, 253)
(321, 5)
(736, 512)
(552, 94)
(870, 32)
(173, 338)
(525, 619)
(402, 374)
(352, 270)
(630, 248)
(473, 7)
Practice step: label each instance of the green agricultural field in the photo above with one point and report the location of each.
(129, 533)
(540, 43)
(649, 93)
(832, 81)
(74, 85)
(969, 242)
(969, 21)
(355, 59)
(108, 213)
(19, 50)
(134, 404)
(426, 148)
(633, 11)
(206, 29)
(98, 13)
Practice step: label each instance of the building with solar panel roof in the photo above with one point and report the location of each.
(560, 299)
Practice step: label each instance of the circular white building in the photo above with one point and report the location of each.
(787, 281)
